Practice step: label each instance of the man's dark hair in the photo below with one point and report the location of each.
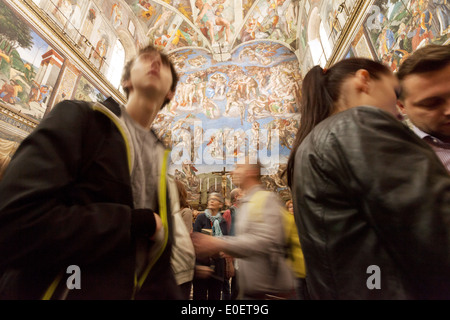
(165, 60)
(432, 57)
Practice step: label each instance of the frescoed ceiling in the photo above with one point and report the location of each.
(240, 64)
(239, 80)
(218, 25)
(239, 83)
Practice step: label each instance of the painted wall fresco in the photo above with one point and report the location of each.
(361, 46)
(66, 13)
(147, 11)
(86, 91)
(215, 19)
(246, 6)
(174, 24)
(68, 82)
(94, 26)
(33, 78)
(29, 66)
(397, 28)
(392, 29)
(222, 110)
(225, 111)
(334, 14)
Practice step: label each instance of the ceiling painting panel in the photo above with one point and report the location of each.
(272, 20)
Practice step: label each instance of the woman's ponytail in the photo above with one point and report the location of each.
(321, 89)
(316, 106)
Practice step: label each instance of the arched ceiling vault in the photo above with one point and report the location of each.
(219, 26)
(240, 65)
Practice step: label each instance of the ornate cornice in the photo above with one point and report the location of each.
(353, 23)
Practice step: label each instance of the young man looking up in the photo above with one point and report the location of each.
(88, 189)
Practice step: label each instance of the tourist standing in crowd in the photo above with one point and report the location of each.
(210, 275)
(371, 199)
(87, 191)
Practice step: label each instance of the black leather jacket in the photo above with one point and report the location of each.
(372, 204)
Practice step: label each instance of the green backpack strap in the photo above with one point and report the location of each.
(257, 202)
(52, 287)
(138, 283)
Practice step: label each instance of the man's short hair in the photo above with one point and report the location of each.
(432, 57)
(233, 194)
(126, 74)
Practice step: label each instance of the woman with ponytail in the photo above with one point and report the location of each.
(371, 200)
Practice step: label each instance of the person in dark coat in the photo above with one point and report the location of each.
(371, 199)
(210, 271)
(85, 205)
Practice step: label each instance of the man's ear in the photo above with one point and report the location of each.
(401, 107)
(126, 84)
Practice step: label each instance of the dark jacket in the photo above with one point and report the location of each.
(66, 199)
(372, 202)
(202, 222)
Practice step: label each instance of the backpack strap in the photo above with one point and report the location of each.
(257, 202)
(138, 283)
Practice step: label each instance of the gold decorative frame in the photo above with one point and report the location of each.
(351, 27)
(56, 37)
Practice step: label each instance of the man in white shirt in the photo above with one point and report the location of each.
(425, 98)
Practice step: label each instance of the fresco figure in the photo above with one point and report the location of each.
(39, 93)
(210, 18)
(249, 31)
(116, 15)
(9, 92)
(100, 52)
(63, 10)
(386, 41)
(160, 23)
(443, 15)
